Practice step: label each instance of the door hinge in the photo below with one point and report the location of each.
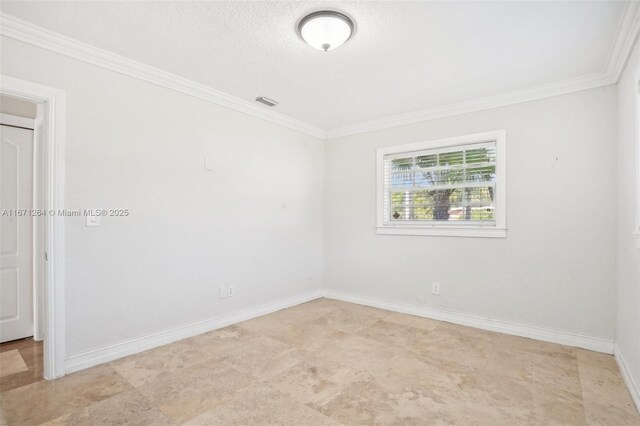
(46, 256)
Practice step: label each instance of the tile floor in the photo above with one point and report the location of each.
(330, 363)
(21, 363)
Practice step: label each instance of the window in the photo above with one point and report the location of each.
(448, 187)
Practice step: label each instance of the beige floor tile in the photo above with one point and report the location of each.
(599, 414)
(314, 309)
(350, 320)
(315, 378)
(331, 362)
(310, 337)
(523, 401)
(406, 392)
(596, 359)
(548, 371)
(409, 368)
(346, 317)
(412, 321)
(261, 405)
(143, 367)
(606, 398)
(221, 338)
(364, 402)
(362, 309)
(457, 348)
(372, 401)
(263, 357)
(129, 407)
(391, 333)
(517, 343)
(42, 401)
(295, 316)
(431, 395)
(11, 362)
(187, 393)
(362, 354)
(446, 396)
(555, 373)
(218, 344)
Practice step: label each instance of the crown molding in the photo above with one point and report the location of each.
(626, 36)
(627, 33)
(496, 101)
(26, 32)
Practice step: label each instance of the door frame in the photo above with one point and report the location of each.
(51, 102)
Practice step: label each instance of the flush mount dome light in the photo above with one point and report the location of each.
(326, 29)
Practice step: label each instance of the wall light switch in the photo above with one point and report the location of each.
(93, 220)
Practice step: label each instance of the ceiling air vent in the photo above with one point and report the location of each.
(266, 101)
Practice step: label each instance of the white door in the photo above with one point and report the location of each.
(16, 192)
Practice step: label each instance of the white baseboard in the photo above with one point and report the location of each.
(130, 347)
(629, 380)
(533, 332)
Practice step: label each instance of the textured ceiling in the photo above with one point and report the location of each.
(404, 57)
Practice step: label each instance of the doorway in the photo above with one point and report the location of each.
(21, 238)
(32, 241)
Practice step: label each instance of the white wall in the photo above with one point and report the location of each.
(628, 265)
(255, 221)
(555, 269)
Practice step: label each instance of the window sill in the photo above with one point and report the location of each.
(470, 232)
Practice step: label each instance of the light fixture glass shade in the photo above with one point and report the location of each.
(325, 30)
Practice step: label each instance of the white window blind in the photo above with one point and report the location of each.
(448, 184)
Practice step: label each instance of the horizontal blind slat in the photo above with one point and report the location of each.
(446, 184)
(444, 149)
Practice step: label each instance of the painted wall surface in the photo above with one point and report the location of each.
(628, 265)
(556, 267)
(254, 221)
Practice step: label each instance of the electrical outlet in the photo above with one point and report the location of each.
(230, 291)
(224, 292)
(435, 289)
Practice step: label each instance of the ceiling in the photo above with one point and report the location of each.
(404, 57)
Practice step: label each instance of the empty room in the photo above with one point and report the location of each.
(320, 213)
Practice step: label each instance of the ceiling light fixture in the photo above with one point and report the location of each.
(326, 29)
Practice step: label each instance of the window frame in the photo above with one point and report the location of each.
(497, 230)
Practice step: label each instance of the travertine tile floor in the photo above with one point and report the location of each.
(330, 363)
(21, 363)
